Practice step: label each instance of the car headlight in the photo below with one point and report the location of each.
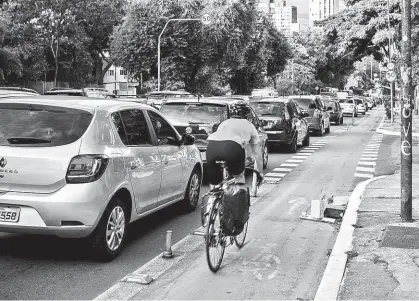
(269, 125)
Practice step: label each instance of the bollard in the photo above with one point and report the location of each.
(353, 117)
(168, 252)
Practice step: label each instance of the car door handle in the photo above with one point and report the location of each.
(165, 162)
(134, 165)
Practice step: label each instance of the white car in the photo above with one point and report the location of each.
(76, 167)
(361, 106)
(348, 107)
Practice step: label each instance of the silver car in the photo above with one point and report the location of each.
(76, 167)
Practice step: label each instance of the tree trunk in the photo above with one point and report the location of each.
(98, 72)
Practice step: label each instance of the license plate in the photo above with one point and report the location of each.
(9, 214)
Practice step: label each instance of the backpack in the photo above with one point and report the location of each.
(235, 212)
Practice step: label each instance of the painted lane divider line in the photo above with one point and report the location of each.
(283, 169)
(362, 175)
(367, 163)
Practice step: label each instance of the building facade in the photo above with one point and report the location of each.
(283, 16)
(322, 9)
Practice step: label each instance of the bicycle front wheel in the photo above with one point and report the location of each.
(239, 239)
(214, 238)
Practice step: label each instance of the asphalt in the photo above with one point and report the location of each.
(36, 267)
(285, 256)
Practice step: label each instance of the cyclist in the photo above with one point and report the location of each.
(227, 144)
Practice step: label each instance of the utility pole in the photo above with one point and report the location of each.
(392, 84)
(406, 113)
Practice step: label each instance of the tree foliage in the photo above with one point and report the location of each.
(235, 49)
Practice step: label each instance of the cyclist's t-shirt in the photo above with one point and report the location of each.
(241, 131)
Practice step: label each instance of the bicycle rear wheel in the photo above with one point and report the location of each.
(239, 239)
(214, 239)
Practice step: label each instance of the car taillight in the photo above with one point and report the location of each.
(86, 168)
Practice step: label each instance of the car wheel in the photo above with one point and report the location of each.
(306, 141)
(293, 146)
(109, 236)
(341, 120)
(265, 156)
(193, 190)
(356, 115)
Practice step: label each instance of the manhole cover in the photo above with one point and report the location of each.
(401, 237)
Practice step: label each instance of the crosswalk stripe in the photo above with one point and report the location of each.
(283, 169)
(272, 180)
(295, 161)
(289, 164)
(367, 163)
(367, 169)
(370, 152)
(308, 151)
(372, 147)
(276, 175)
(362, 175)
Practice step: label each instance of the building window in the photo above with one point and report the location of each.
(123, 72)
(111, 72)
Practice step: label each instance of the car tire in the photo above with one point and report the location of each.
(98, 240)
(356, 115)
(265, 156)
(306, 141)
(341, 120)
(190, 201)
(292, 148)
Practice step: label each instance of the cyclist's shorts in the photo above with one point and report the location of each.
(229, 151)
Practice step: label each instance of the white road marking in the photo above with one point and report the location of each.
(308, 150)
(283, 169)
(295, 161)
(367, 169)
(276, 175)
(367, 163)
(289, 165)
(372, 148)
(299, 157)
(369, 155)
(361, 175)
(368, 159)
(313, 148)
(370, 152)
(272, 180)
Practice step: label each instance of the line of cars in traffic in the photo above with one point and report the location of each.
(80, 167)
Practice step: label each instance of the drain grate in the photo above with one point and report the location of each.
(401, 237)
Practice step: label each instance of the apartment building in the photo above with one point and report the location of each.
(322, 9)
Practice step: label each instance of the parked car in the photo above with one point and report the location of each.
(158, 98)
(361, 106)
(201, 118)
(16, 92)
(348, 106)
(283, 121)
(88, 167)
(318, 120)
(98, 93)
(66, 91)
(334, 109)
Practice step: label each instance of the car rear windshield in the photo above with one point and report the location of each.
(38, 125)
(267, 108)
(346, 101)
(304, 103)
(194, 113)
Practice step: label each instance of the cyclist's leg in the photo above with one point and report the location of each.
(237, 162)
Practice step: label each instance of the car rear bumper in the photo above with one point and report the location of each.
(279, 137)
(71, 212)
(334, 117)
(313, 124)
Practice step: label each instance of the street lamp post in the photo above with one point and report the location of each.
(158, 46)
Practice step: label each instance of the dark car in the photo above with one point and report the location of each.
(318, 120)
(334, 109)
(283, 121)
(202, 118)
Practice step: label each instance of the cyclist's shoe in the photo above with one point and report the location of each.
(260, 179)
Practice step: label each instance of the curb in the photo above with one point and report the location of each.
(335, 269)
(156, 267)
(390, 133)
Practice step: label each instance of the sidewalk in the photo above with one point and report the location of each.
(394, 129)
(384, 261)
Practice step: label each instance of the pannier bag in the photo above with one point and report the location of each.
(235, 213)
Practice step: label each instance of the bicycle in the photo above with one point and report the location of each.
(214, 235)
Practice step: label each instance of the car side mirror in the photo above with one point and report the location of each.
(188, 139)
(330, 108)
(305, 114)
